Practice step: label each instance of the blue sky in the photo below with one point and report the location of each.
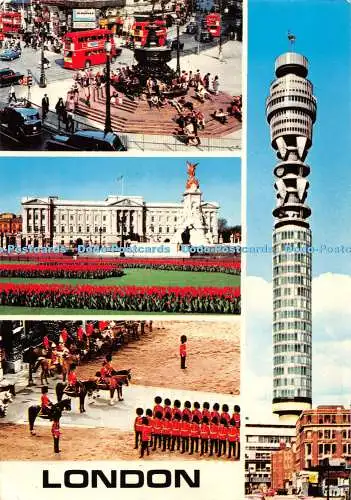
(322, 29)
(156, 179)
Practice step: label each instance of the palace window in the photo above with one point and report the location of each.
(62, 229)
(79, 229)
(71, 217)
(160, 229)
(88, 229)
(62, 217)
(71, 229)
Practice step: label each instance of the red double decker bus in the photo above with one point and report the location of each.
(139, 31)
(10, 22)
(83, 49)
(213, 24)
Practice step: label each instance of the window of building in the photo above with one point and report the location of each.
(333, 449)
(104, 218)
(36, 229)
(152, 229)
(308, 449)
(29, 229)
(54, 229)
(79, 229)
(104, 229)
(71, 229)
(71, 217)
(320, 449)
(167, 229)
(62, 229)
(175, 219)
(327, 434)
(88, 229)
(160, 229)
(152, 219)
(327, 449)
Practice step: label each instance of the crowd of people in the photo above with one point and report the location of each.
(188, 428)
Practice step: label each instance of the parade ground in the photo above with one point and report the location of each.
(106, 431)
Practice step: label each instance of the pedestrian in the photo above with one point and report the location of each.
(215, 85)
(138, 426)
(56, 433)
(182, 351)
(145, 437)
(60, 108)
(12, 94)
(45, 106)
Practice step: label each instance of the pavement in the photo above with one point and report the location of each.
(100, 413)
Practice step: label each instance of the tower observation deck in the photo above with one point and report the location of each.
(291, 113)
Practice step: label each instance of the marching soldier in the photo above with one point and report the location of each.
(233, 438)
(167, 432)
(222, 437)
(145, 437)
(138, 426)
(167, 410)
(194, 434)
(206, 410)
(187, 410)
(158, 407)
(176, 408)
(158, 429)
(196, 411)
(182, 351)
(213, 436)
(150, 418)
(236, 415)
(176, 432)
(225, 413)
(215, 412)
(204, 435)
(185, 433)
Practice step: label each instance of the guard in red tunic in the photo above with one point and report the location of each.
(89, 329)
(194, 435)
(167, 410)
(56, 433)
(206, 411)
(185, 433)
(158, 407)
(204, 435)
(138, 425)
(187, 410)
(196, 411)
(145, 437)
(225, 413)
(176, 408)
(46, 342)
(80, 333)
(182, 351)
(215, 412)
(213, 436)
(233, 439)
(222, 437)
(176, 422)
(46, 404)
(236, 415)
(158, 428)
(148, 414)
(72, 378)
(63, 336)
(167, 432)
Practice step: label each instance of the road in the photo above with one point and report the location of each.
(100, 413)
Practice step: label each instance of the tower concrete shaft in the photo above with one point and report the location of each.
(291, 113)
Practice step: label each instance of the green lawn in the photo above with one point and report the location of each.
(146, 277)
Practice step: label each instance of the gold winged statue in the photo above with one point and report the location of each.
(192, 182)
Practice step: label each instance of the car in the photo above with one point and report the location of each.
(86, 140)
(9, 54)
(192, 28)
(204, 36)
(9, 77)
(173, 44)
(21, 121)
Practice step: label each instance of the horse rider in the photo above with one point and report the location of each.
(46, 404)
(63, 336)
(46, 343)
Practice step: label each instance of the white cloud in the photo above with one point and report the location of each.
(331, 326)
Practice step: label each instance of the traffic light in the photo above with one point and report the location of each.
(24, 80)
(29, 80)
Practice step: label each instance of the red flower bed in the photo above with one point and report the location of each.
(227, 266)
(67, 270)
(129, 298)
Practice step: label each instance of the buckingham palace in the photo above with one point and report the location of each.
(116, 220)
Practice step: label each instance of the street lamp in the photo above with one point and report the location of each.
(108, 47)
(221, 11)
(100, 236)
(42, 81)
(178, 49)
